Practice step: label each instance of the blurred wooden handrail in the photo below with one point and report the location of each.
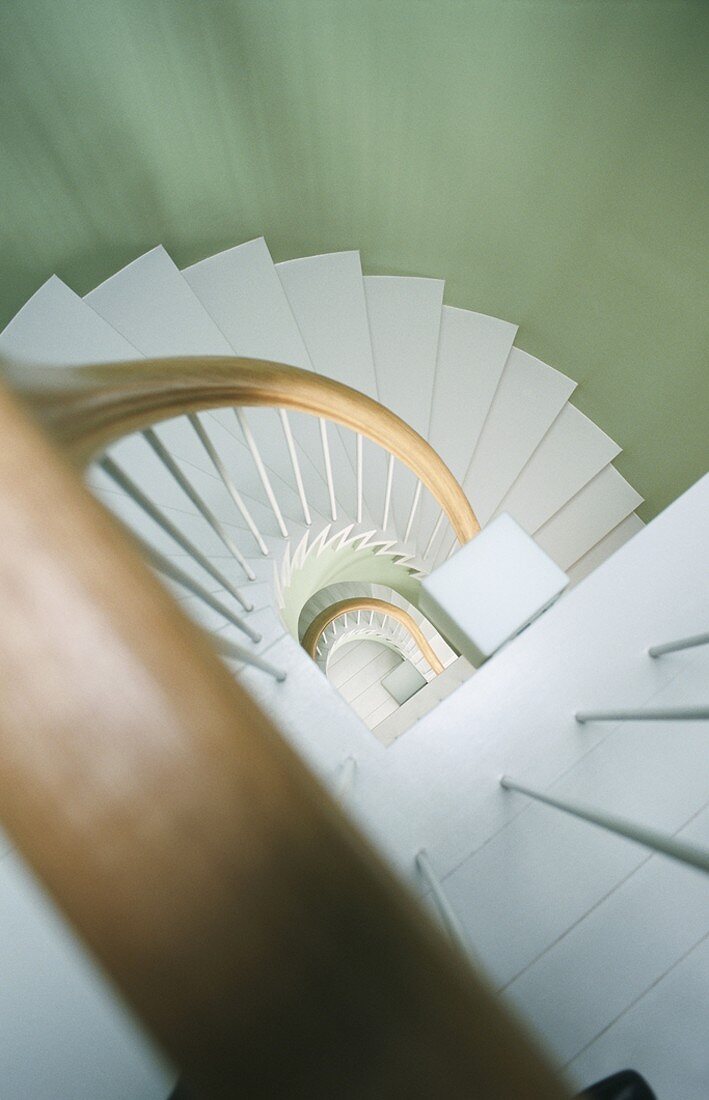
(86, 408)
(259, 938)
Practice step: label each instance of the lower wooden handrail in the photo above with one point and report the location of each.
(251, 928)
(368, 603)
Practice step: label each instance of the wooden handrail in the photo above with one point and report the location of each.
(87, 408)
(253, 930)
(367, 603)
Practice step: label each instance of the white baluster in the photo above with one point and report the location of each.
(682, 850)
(261, 469)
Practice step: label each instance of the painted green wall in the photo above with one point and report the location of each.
(548, 157)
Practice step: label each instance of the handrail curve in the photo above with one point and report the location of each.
(86, 408)
(368, 603)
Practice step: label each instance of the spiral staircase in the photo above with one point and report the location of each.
(289, 513)
(280, 505)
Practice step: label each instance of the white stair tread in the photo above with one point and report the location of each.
(56, 328)
(404, 322)
(528, 400)
(472, 353)
(605, 548)
(588, 517)
(241, 290)
(326, 295)
(151, 304)
(572, 452)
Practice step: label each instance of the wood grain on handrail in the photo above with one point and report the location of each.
(87, 408)
(367, 603)
(259, 938)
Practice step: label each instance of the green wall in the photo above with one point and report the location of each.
(547, 157)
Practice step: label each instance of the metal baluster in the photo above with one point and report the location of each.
(448, 917)
(680, 643)
(360, 467)
(412, 513)
(434, 533)
(188, 488)
(290, 443)
(174, 573)
(387, 492)
(235, 652)
(651, 714)
(328, 468)
(346, 777)
(261, 469)
(226, 478)
(126, 483)
(682, 850)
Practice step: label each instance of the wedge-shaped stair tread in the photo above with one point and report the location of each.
(326, 295)
(55, 327)
(404, 322)
(572, 452)
(151, 304)
(528, 400)
(588, 517)
(241, 290)
(472, 353)
(605, 548)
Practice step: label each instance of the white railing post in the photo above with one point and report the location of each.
(261, 469)
(387, 492)
(649, 714)
(448, 917)
(328, 468)
(227, 479)
(188, 488)
(679, 644)
(290, 444)
(412, 513)
(235, 652)
(360, 475)
(434, 533)
(345, 777)
(682, 850)
(168, 568)
(121, 478)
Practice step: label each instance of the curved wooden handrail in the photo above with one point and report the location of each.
(86, 408)
(322, 621)
(255, 932)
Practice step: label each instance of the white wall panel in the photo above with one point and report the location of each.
(572, 452)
